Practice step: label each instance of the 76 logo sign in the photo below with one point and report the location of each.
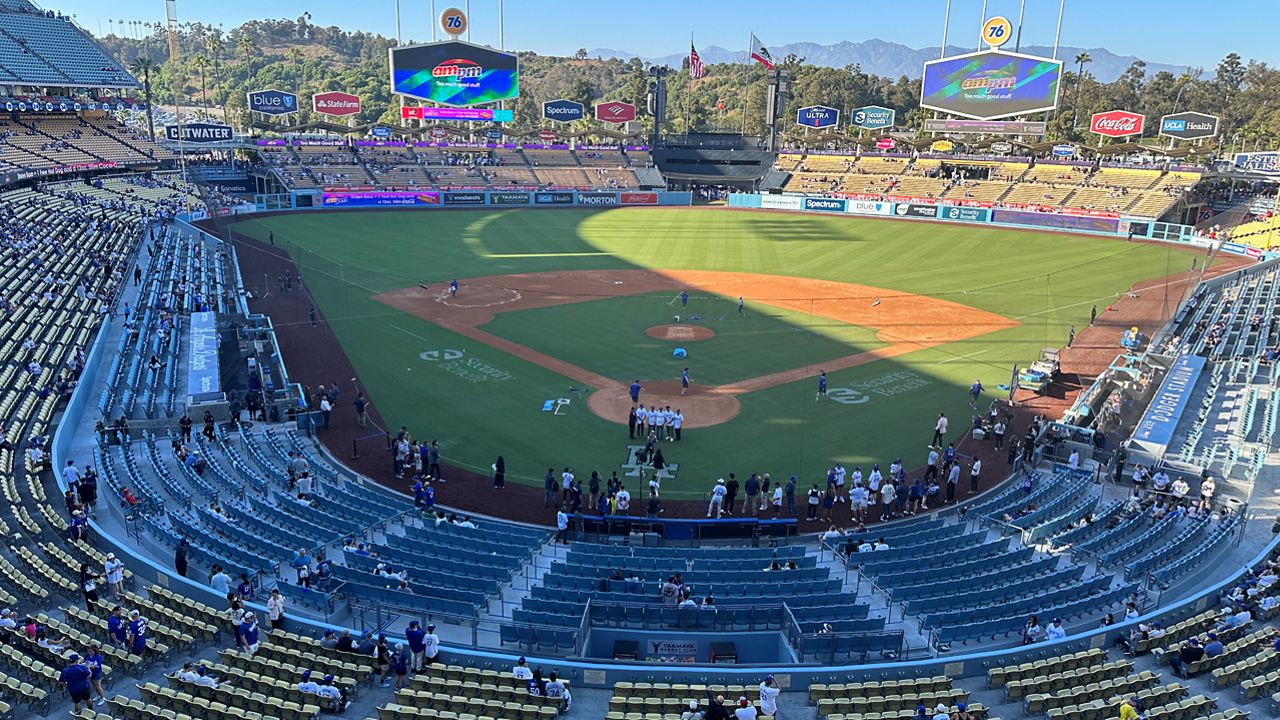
(453, 21)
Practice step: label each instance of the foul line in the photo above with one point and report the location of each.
(406, 332)
(962, 357)
(547, 255)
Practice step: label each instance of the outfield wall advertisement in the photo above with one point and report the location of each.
(367, 196)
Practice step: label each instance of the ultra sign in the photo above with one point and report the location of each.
(817, 116)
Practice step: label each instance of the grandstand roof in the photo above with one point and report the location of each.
(38, 48)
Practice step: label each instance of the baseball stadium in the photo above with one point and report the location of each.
(448, 379)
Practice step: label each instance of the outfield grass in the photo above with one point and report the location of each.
(1046, 282)
(607, 337)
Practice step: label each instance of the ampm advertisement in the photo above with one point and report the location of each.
(991, 84)
(202, 365)
(273, 102)
(385, 197)
(1155, 430)
(454, 73)
(410, 112)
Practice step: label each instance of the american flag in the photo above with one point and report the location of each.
(696, 68)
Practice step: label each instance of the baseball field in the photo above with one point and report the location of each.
(558, 312)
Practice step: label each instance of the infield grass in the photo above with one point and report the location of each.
(1045, 281)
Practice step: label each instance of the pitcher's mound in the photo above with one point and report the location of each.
(680, 333)
(702, 407)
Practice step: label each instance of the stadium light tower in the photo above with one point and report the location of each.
(175, 52)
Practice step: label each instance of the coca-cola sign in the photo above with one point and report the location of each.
(1117, 123)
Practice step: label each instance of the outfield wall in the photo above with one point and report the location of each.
(520, 197)
(942, 211)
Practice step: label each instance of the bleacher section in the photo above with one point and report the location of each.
(1140, 192)
(42, 50)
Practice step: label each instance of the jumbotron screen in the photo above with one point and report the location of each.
(989, 85)
(454, 73)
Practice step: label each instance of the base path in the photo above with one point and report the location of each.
(903, 321)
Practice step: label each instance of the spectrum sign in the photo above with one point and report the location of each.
(336, 103)
(454, 73)
(563, 110)
(991, 84)
(439, 113)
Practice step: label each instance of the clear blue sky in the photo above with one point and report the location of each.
(1179, 32)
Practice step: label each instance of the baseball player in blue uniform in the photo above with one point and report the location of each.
(635, 389)
(453, 288)
(822, 386)
(974, 391)
(684, 382)
(684, 298)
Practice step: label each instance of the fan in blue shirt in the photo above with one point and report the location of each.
(138, 633)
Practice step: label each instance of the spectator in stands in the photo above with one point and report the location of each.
(1055, 631)
(400, 665)
(555, 689)
(769, 692)
(236, 611)
(88, 492)
(330, 692)
(716, 709)
(116, 627)
(275, 609)
(536, 685)
(307, 685)
(1207, 489)
(329, 641)
(249, 633)
(521, 670)
(89, 586)
(137, 634)
(93, 661)
(1213, 648)
(245, 588)
(745, 710)
(346, 643)
(219, 580)
(431, 647)
(78, 679)
(1032, 632)
(692, 712)
(1189, 653)
(1129, 709)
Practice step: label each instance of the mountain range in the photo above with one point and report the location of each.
(893, 60)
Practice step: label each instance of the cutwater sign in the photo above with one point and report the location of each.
(824, 204)
(817, 116)
(273, 102)
(563, 110)
(874, 117)
(1155, 429)
(199, 133)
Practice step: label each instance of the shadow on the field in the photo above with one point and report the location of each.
(794, 228)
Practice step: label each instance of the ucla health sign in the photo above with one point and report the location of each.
(273, 102)
(817, 116)
(563, 110)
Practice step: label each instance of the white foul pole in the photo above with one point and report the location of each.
(1057, 36)
(946, 23)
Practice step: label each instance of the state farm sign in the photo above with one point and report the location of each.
(615, 112)
(1117, 123)
(335, 103)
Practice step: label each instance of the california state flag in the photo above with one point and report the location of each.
(760, 53)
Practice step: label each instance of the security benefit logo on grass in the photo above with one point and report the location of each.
(893, 383)
(473, 370)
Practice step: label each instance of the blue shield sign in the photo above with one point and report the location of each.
(1064, 150)
(273, 102)
(874, 117)
(380, 131)
(563, 110)
(493, 134)
(817, 116)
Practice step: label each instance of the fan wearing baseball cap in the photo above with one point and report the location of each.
(769, 692)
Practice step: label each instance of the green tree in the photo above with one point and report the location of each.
(141, 67)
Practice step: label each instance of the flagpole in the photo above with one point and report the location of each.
(688, 87)
(746, 104)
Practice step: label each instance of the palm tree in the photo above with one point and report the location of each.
(142, 66)
(202, 62)
(215, 45)
(1081, 59)
(245, 47)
